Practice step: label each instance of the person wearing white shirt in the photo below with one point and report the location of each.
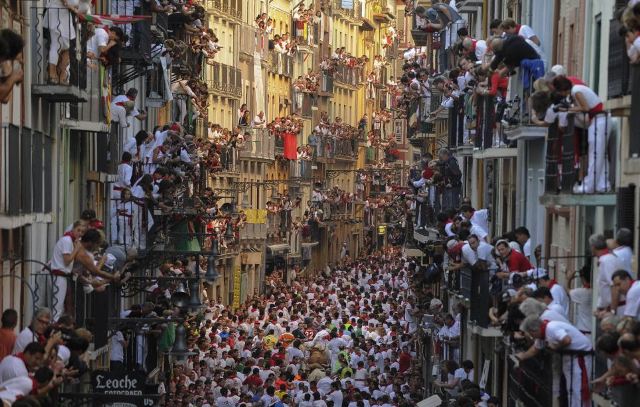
(259, 121)
(118, 344)
(478, 217)
(608, 263)
(523, 237)
(336, 394)
(581, 297)
(31, 358)
(627, 286)
(576, 365)
(64, 254)
(483, 252)
(557, 292)
(622, 248)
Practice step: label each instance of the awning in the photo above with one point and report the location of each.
(312, 244)
(367, 25)
(278, 248)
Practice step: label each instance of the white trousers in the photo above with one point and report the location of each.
(59, 295)
(596, 178)
(573, 378)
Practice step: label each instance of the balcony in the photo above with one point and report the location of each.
(307, 36)
(56, 83)
(253, 231)
(225, 8)
(305, 103)
(531, 381)
(259, 145)
(351, 77)
(325, 150)
(279, 146)
(300, 169)
(346, 149)
(349, 14)
(566, 166)
(224, 80)
(326, 85)
(281, 64)
(381, 12)
(25, 183)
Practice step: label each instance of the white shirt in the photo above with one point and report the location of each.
(632, 309)
(624, 255)
(556, 331)
(337, 397)
(117, 347)
(125, 172)
(589, 95)
(560, 297)
(62, 247)
(11, 367)
(462, 375)
(468, 255)
(481, 50)
(607, 265)
(99, 39)
(582, 297)
(526, 32)
(480, 218)
(16, 387)
(25, 337)
(526, 249)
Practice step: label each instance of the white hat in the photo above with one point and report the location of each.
(64, 354)
(451, 243)
(559, 70)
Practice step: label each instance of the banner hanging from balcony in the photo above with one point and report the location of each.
(110, 20)
(256, 216)
(237, 286)
(346, 4)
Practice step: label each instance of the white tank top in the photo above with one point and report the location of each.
(590, 96)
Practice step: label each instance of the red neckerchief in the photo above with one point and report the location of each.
(543, 328)
(586, 285)
(71, 235)
(604, 251)
(552, 283)
(518, 27)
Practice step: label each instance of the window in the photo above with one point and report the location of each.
(596, 57)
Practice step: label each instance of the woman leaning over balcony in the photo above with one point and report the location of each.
(58, 19)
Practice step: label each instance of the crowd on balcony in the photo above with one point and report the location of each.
(342, 58)
(485, 102)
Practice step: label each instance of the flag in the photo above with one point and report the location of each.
(109, 20)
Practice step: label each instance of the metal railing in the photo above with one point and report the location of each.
(300, 169)
(306, 33)
(230, 8)
(25, 186)
(253, 231)
(326, 147)
(259, 144)
(579, 162)
(282, 64)
(224, 79)
(532, 381)
(354, 12)
(57, 46)
(346, 148)
(326, 83)
(347, 75)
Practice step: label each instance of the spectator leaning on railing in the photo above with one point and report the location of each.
(11, 69)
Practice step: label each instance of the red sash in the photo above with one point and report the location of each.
(585, 393)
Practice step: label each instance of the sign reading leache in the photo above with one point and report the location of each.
(130, 384)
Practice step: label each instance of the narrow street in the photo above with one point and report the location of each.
(323, 203)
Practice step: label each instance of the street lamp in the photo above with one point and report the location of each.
(212, 274)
